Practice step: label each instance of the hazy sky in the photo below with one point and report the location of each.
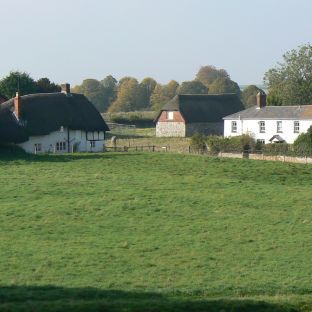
(70, 40)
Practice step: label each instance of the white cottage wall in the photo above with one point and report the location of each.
(252, 127)
(79, 141)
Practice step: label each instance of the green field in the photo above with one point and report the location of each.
(154, 232)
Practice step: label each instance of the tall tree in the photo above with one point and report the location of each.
(44, 85)
(249, 95)
(17, 81)
(290, 82)
(192, 87)
(163, 93)
(208, 74)
(147, 87)
(109, 84)
(224, 85)
(127, 96)
(94, 91)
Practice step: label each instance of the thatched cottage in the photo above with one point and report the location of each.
(52, 122)
(185, 115)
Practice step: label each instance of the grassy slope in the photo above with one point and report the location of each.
(197, 233)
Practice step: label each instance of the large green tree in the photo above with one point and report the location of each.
(208, 74)
(127, 97)
(224, 85)
(290, 82)
(147, 87)
(44, 85)
(249, 95)
(17, 81)
(192, 87)
(163, 93)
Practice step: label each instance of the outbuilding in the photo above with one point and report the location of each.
(187, 114)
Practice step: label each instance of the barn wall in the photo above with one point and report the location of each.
(170, 129)
(78, 140)
(207, 128)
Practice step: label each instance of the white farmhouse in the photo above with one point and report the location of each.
(53, 122)
(269, 124)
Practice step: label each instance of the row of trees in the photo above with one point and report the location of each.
(290, 83)
(128, 94)
(26, 85)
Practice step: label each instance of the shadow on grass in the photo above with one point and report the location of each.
(62, 157)
(50, 298)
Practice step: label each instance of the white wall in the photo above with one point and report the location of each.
(77, 140)
(252, 128)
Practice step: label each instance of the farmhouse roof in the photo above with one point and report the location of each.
(44, 113)
(203, 108)
(10, 130)
(274, 112)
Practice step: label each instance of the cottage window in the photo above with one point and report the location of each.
(279, 128)
(92, 144)
(261, 141)
(234, 126)
(262, 127)
(61, 146)
(296, 126)
(37, 147)
(170, 115)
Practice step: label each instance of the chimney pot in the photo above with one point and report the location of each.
(18, 106)
(261, 99)
(65, 88)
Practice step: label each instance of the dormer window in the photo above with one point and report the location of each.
(170, 115)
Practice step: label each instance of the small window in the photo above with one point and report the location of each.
(279, 127)
(61, 146)
(262, 127)
(170, 115)
(92, 144)
(234, 126)
(296, 126)
(261, 141)
(37, 147)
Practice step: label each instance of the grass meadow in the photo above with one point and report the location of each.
(154, 232)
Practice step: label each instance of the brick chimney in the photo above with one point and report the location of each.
(18, 106)
(65, 88)
(261, 99)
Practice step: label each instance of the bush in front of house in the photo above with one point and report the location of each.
(198, 142)
(236, 144)
(303, 144)
(277, 149)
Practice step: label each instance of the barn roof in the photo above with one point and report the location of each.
(274, 112)
(204, 108)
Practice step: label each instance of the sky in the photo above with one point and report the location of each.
(71, 40)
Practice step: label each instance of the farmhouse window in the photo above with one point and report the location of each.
(170, 115)
(60, 146)
(279, 127)
(261, 141)
(92, 144)
(234, 126)
(296, 126)
(37, 147)
(262, 126)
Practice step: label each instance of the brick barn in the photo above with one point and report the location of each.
(185, 115)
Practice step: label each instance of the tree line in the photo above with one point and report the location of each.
(289, 83)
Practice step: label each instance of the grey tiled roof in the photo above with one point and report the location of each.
(274, 112)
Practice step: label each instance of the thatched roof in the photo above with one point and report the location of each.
(204, 108)
(10, 130)
(45, 113)
(3, 98)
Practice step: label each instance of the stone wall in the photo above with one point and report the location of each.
(207, 128)
(170, 129)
